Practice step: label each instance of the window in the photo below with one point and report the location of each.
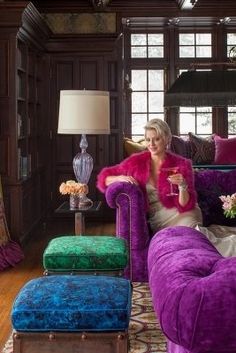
(231, 42)
(195, 45)
(153, 57)
(149, 45)
(147, 79)
(232, 121)
(195, 119)
(147, 98)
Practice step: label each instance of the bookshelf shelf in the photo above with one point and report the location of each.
(29, 101)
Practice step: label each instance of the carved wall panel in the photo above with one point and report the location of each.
(4, 68)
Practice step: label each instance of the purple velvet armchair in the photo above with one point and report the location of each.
(193, 291)
(131, 224)
(131, 217)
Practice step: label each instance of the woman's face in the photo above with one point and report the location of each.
(155, 143)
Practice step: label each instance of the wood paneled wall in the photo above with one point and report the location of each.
(70, 61)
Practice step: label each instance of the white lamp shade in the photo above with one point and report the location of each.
(84, 112)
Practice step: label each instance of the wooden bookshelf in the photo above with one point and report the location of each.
(25, 171)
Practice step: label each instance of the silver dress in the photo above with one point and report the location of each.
(161, 217)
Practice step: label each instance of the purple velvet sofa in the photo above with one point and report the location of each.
(193, 291)
(131, 219)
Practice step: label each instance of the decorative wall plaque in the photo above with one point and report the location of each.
(85, 23)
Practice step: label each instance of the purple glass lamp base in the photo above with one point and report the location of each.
(83, 166)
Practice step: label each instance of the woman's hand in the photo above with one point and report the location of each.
(122, 178)
(177, 179)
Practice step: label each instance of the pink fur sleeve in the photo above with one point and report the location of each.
(105, 172)
(136, 165)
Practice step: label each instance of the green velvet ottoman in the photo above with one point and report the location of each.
(91, 254)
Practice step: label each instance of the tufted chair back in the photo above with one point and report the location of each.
(194, 292)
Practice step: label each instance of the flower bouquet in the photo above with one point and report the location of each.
(77, 192)
(229, 205)
(71, 187)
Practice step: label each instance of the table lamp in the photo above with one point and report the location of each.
(84, 112)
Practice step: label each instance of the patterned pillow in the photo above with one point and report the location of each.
(180, 146)
(202, 149)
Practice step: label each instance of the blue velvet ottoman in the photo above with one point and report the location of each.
(69, 314)
(91, 254)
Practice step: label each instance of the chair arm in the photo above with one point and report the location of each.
(131, 221)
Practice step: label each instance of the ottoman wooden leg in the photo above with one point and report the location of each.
(77, 342)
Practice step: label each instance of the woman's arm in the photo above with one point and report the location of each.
(179, 180)
(134, 169)
(118, 172)
(183, 193)
(123, 178)
(187, 194)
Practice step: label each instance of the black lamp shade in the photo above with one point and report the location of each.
(202, 88)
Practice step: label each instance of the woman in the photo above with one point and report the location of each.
(151, 171)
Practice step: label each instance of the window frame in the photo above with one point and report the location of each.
(172, 63)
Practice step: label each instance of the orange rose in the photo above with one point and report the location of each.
(72, 187)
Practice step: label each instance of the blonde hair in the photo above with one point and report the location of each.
(161, 127)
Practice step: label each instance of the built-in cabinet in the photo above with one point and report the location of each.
(32, 132)
(29, 110)
(34, 159)
(24, 110)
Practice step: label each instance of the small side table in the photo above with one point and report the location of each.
(79, 214)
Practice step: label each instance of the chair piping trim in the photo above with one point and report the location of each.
(130, 237)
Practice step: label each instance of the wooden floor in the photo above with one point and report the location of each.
(12, 279)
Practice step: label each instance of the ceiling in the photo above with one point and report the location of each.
(197, 6)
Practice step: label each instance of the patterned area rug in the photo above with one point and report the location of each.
(144, 331)
(145, 334)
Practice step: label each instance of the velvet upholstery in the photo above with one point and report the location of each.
(10, 251)
(73, 303)
(131, 219)
(131, 224)
(91, 252)
(194, 292)
(225, 150)
(210, 185)
(10, 254)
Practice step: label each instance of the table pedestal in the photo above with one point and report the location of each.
(79, 214)
(79, 223)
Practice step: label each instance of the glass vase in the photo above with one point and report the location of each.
(73, 202)
(84, 201)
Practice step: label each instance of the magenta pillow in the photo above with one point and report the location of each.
(225, 150)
